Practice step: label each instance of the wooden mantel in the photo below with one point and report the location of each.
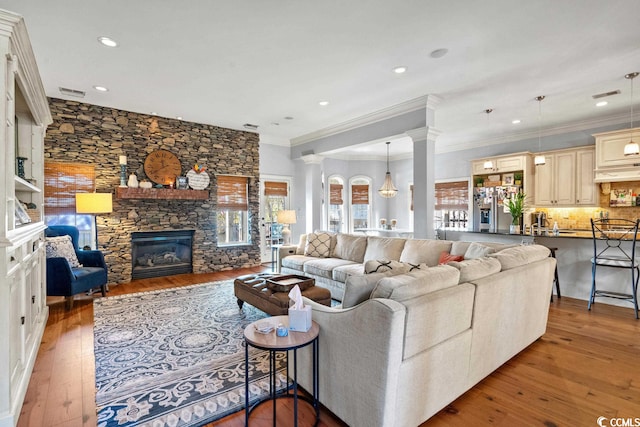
(161, 194)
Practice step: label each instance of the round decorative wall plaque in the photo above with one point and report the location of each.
(198, 180)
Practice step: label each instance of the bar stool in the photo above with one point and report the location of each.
(556, 280)
(614, 245)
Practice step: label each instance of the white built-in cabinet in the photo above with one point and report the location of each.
(566, 178)
(24, 116)
(611, 163)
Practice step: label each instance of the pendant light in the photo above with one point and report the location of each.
(631, 148)
(488, 164)
(540, 159)
(388, 190)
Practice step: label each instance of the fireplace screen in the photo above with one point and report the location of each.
(161, 253)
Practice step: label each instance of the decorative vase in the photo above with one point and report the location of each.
(133, 181)
(514, 229)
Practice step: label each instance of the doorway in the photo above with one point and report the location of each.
(275, 193)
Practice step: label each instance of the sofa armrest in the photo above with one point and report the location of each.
(285, 251)
(360, 357)
(59, 277)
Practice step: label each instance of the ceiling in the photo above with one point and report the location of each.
(269, 63)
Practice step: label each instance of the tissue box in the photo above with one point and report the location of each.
(300, 320)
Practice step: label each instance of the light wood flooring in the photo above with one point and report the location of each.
(587, 365)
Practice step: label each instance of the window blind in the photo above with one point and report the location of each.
(360, 194)
(452, 195)
(274, 188)
(61, 183)
(335, 194)
(232, 192)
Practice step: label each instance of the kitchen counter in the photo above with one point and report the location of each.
(574, 253)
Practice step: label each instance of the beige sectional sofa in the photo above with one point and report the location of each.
(403, 346)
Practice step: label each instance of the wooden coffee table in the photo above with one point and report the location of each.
(256, 290)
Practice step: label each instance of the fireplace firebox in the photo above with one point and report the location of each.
(161, 253)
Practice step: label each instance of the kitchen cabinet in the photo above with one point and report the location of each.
(24, 116)
(587, 192)
(566, 178)
(610, 163)
(555, 180)
(501, 164)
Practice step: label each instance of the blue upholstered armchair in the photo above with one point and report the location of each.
(63, 280)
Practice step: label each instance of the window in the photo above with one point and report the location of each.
(233, 210)
(61, 183)
(452, 204)
(336, 204)
(360, 203)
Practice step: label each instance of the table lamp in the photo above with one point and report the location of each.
(94, 203)
(286, 218)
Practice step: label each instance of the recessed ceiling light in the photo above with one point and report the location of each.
(601, 103)
(101, 88)
(288, 118)
(179, 117)
(515, 122)
(401, 69)
(153, 113)
(275, 124)
(438, 53)
(107, 41)
(323, 103)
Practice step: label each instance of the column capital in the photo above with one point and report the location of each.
(312, 159)
(433, 101)
(424, 134)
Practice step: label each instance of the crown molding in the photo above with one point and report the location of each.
(312, 159)
(367, 119)
(426, 133)
(23, 63)
(556, 130)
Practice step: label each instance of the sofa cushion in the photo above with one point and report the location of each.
(380, 266)
(424, 251)
(323, 267)
(384, 248)
(411, 285)
(350, 247)
(358, 289)
(520, 255)
(318, 245)
(296, 262)
(62, 247)
(302, 244)
(473, 269)
(459, 248)
(343, 272)
(476, 250)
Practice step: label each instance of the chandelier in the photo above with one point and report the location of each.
(388, 190)
(631, 148)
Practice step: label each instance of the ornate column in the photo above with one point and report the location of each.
(424, 150)
(313, 192)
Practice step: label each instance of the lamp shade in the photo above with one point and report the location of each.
(286, 217)
(94, 203)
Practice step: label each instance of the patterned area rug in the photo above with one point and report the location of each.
(175, 357)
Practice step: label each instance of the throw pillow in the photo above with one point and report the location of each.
(446, 257)
(318, 245)
(62, 247)
(476, 250)
(416, 267)
(382, 266)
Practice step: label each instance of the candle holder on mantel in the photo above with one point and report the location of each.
(123, 176)
(20, 166)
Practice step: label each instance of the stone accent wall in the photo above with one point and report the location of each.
(88, 133)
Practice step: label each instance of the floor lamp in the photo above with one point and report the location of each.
(286, 218)
(94, 204)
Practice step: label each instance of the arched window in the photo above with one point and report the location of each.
(336, 207)
(360, 203)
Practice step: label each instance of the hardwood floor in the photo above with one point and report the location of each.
(587, 365)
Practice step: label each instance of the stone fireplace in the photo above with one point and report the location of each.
(161, 253)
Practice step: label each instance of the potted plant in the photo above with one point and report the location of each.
(479, 181)
(515, 204)
(517, 177)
